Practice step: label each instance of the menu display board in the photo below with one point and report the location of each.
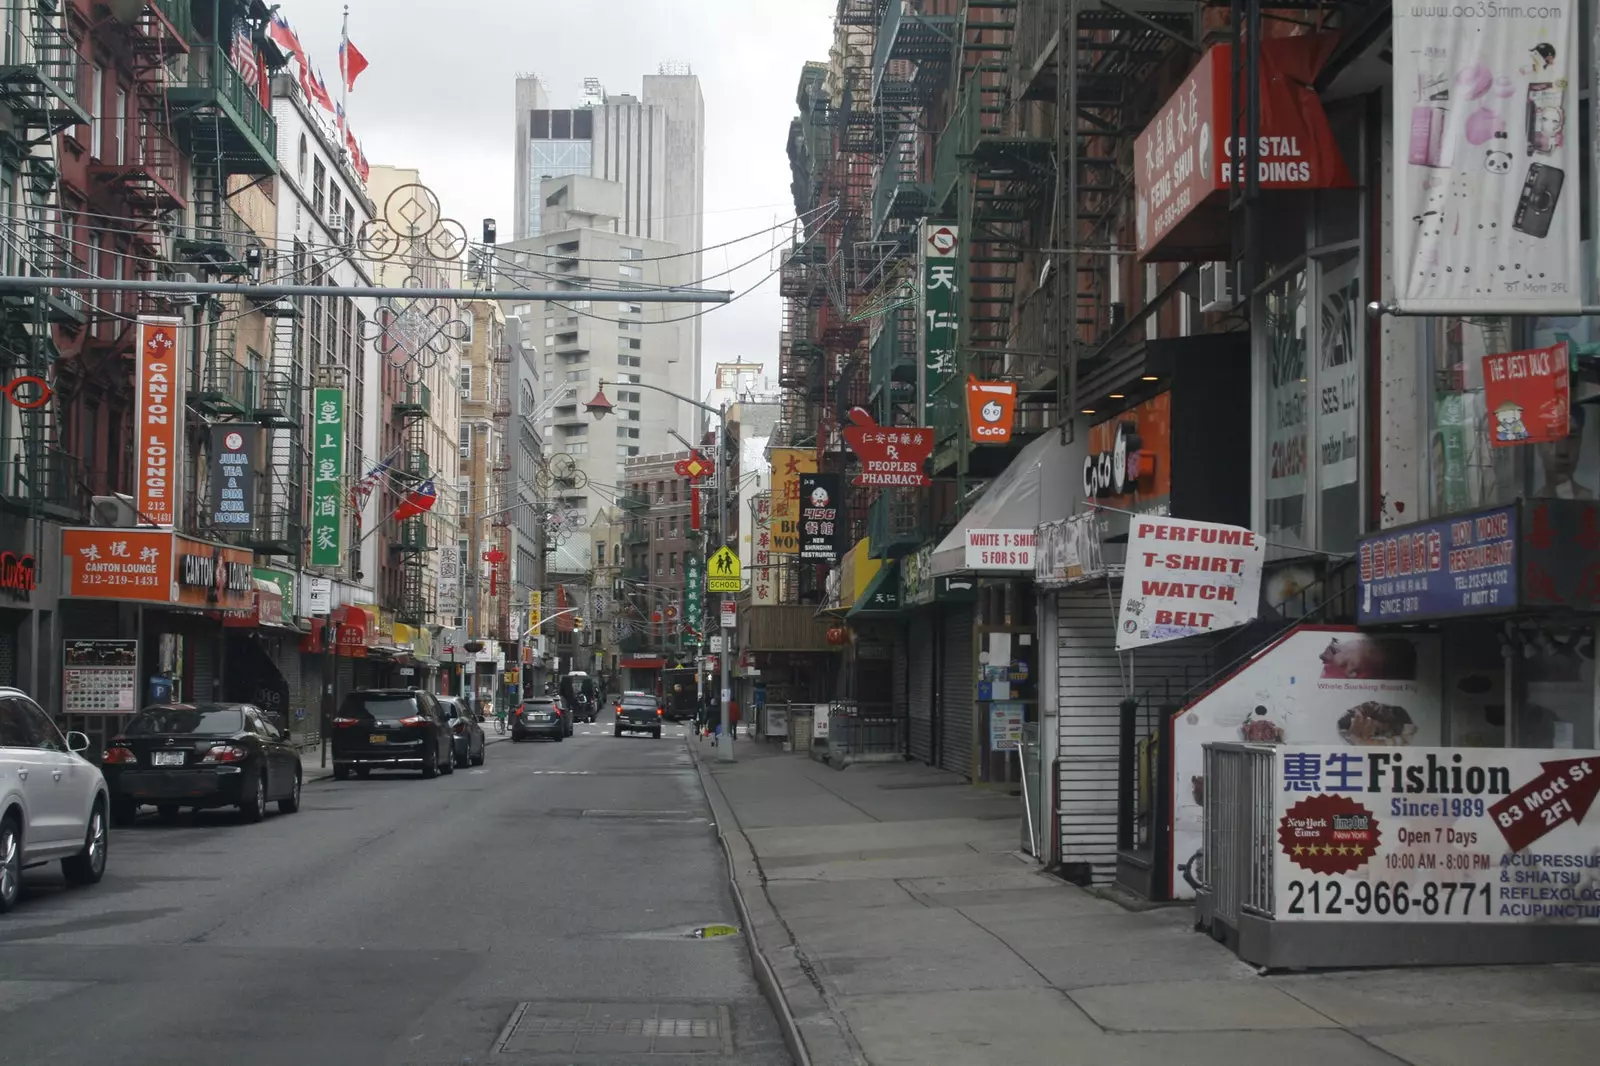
(99, 676)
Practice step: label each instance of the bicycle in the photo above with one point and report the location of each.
(500, 722)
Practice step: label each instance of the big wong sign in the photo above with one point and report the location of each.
(890, 455)
(1486, 168)
(158, 410)
(1485, 835)
(1184, 162)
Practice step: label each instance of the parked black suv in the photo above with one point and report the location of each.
(391, 729)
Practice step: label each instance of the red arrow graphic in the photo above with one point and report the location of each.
(1563, 793)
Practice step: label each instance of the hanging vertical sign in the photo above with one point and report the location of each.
(694, 594)
(535, 611)
(1486, 98)
(449, 603)
(821, 511)
(159, 379)
(327, 474)
(231, 498)
(940, 245)
(787, 466)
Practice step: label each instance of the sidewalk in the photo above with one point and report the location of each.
(902, 926)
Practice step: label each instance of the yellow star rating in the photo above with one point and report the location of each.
(1299, 849)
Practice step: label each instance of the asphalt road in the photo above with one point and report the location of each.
(536, 910)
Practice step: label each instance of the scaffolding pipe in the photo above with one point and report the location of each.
(267, 290)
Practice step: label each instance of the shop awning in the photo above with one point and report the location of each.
(644, 664)
(1037, 487)
(882, 595)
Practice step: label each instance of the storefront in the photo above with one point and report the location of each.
(29, 588)
(168, 642)
(922, 657)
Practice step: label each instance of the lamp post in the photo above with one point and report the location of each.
(599, 407)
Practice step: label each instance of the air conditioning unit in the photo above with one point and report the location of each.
(336, 231)
(182, 299)
(115, 511)
(1217, 282)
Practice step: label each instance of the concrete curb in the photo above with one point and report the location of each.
(812, 1030)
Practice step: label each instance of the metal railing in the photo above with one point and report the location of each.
(56, 70)
(1238, 813)
(865, 729)
(209, 68)
(225, 379)
(33, 473)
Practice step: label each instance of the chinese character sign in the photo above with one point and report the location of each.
(940, 308)
(327, 475)
(1436, 835)
(890, 455)
(1444, 569)
(822, 518)
(158, 409)
(694, 594)
(1528, 395)
(787, 466)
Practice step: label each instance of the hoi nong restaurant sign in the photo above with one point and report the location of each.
(1184, 578)
(1184, 161)
(1436, 835)
(156, 566)
(158, 413)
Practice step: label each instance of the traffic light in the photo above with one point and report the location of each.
(577, 622)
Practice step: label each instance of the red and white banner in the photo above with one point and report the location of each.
(890, 455)
(1185, 578)
(1529, 396)
(158, 409)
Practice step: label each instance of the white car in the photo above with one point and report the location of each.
(53, 802)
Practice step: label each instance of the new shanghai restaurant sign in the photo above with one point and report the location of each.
(1486, 835)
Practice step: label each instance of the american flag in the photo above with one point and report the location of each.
(362, 492)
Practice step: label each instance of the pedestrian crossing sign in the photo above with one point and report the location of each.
(723, 572)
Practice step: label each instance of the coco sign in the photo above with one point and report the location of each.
(1113, 473)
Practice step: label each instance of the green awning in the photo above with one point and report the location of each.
(882, 595)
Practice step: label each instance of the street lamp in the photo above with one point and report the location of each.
(601, 406)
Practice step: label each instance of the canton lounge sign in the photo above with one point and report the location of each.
(201, 571)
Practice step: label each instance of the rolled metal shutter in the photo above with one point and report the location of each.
(202, 649)
(957, 695)
(919, 687)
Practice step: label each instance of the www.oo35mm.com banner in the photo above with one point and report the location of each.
(1486, 143)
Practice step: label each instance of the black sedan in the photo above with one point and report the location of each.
(541, 717)
(466, 735)
(201, 755)
(391, 729)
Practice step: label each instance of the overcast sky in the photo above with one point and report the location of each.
(439, 94)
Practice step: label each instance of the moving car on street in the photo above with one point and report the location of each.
(579, 696)
(391, 729)
(638, 712)
(466, 735)
(53, 802)
(538, 717)
(201, 755)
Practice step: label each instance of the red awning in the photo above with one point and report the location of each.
(354, 628)
(644, 664)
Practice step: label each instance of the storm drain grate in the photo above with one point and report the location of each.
(617, 1028)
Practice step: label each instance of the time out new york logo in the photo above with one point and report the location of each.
(1329, 834)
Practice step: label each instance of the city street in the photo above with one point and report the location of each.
(537, 910)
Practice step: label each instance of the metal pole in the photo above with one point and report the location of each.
(258, 291)
(724, 751)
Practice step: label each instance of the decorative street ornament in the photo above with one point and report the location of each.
(991, 407)
(412, 233)
(694, 468)
(890, 455)
(27, 392)
(838, 636)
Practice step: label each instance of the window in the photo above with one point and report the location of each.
(318, 173)
(673, 486)
(637, 273)
(120, 125)
(630, 415)
(661, 490)
(464, 500)
(659, 568)
(624, 431)
(672, 564)
(625, 326)
(97, 93)
(578, 447)
(579, 430)
(300, 165)
(672, 525)
(465, 442)
(633, 309)
(633, 253)
(628, 360)
(627, 396)
(466, 382)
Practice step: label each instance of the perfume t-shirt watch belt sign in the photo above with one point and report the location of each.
(1486, 215)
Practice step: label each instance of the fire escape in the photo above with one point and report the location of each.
(502, 487)
(417, 595)
(41, 82)
(911, 63)
(1100, 88)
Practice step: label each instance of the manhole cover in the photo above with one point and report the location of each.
(547, 1028)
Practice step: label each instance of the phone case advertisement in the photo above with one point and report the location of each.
(1486, 136)
(1317, 686)
(1487, 835)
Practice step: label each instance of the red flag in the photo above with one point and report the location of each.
(351, 63)
(419, 500)
(281, 32)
